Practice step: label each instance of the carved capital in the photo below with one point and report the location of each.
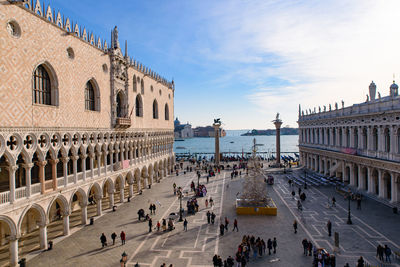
(54, 161)
(13, 168)
(27, 166)
(65, 159)
(83, 157)
(41, 163)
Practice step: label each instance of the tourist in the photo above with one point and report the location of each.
(263, 246)
(123, 237)
(243, 262)
(333, 202)
(299, 191)
(293, 193)
(379, 252)
(206, 202)
(103, 240)
(221, 229)
(388, 252)
(215, 259)
(305, 246)
(274, 244)
(211, 202)
(164, 225)
(226, 223)
(212, 217)
(295, 226)
(185, 223)
(360, 262)
(329, 226)
(230, 262)
(151, 208)
(154, 208)
(358, 201)
(150, 225)
(158, 226)
(269, 246)
(113, 236)
(310, 247)
(235, 225)
(208, 217)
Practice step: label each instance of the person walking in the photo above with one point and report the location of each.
(151, 209)
(235, 226)
(212, 217)
(295, 226)
(221, 229)
(208, 217)
(379, 252)
(185, 223)
(293, 193)
(333, 202)
(305, 246)
(274, 244)
(269, 246)
(158, 226)
(103, 240)
(164, 225)
(211, 202)
(154, 209)
(388, 252)
(123, 237)
(226, 223)
(360, 262)
(113, 236)
(206, 202)
(150, 225)
(359, 202)
(329, 226)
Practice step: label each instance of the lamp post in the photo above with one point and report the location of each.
(349, 214)
(124, 259)
(180, 205)
(305, 179)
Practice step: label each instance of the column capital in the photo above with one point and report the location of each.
(12, 238)
(93, 155)
(41, 163)
(65, 159)
(27, 165)
(83, 156)
(74, 157)
(54, 161)
(12, 168)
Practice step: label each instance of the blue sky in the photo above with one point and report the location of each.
(244, 60)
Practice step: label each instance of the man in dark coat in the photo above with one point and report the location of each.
(103, 240)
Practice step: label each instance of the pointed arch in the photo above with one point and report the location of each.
(155, 109)
(166, 112)
(139, 106)
(44, 85)
(92, 96)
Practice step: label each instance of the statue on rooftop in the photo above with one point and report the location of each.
(367, 98)
(336, 105)
(379, 95)
(342, 104)
(330, 107)
(324, 108)
(319, 109)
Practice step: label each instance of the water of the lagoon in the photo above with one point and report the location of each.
(289, 143)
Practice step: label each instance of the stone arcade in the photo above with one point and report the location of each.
(78, 121)
(359, 144)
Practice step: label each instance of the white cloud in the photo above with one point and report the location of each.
(326, 51)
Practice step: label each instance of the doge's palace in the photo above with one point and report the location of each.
(359, 144)
(82, 126)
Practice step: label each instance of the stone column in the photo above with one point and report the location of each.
(319, 164)
(43, 236)
(381, 184)
(352, 176)
(66, 224)
(111, 198)
(74, 164)
(278, 123)
(370, 186)
(98, 164)
(83, 213)
(381, 139)
(83, 166)
(121, 194)
(351, 143)
(65, 170)
(41, 165)
(112, 160)
(392, 140)
(28, 167)
(369, 139)
(13, 251)
(360, 179)
(11, 177)
(393, 187)
(130, 190)
(53, 163)
(360, 138)
(105, 161)
(131, 155)
(98, 205)
(216, 137)
(116, 151)
(92, 157)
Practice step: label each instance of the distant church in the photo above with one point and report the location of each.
(182, 130)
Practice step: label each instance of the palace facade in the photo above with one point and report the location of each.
(82, 126)
(359, 144)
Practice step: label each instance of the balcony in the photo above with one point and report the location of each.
(123, 123)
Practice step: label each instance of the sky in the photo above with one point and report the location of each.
(245, 60)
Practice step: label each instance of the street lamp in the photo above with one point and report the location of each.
(124, 259)
(305, 179)
(349, 214)
(180, 205)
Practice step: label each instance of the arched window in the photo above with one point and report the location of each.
(42, 89)
(142, 87)
(119, 105)
(90, 98)
(155, 109)
(139, 106)
(134, 83)
(166, 112)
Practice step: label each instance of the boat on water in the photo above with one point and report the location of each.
(179, 140)
(180, 147)
(231, 142)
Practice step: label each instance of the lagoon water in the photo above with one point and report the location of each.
(233, 142)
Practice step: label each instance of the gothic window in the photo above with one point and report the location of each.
(142, 87)
(155, 109)
(119, 105)
(134, 83)
(139, 106)
(166, 112)
(89, 97)
(42, 86)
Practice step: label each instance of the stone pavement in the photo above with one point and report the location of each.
(197, 246)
